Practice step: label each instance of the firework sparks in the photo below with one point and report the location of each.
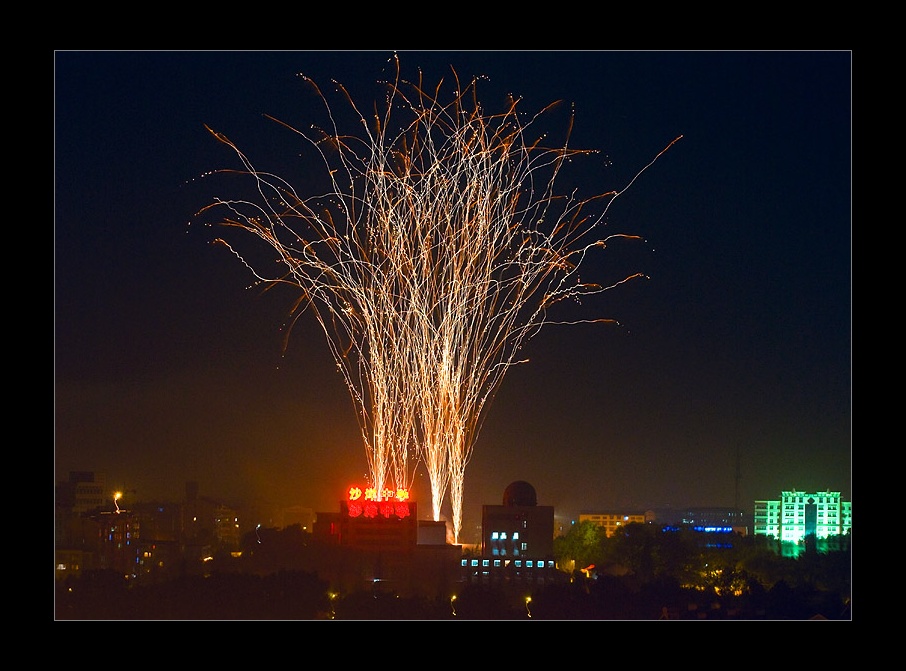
(434, 255)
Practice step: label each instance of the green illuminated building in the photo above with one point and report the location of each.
(799, 514)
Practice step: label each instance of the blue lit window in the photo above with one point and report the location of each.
(529, 563)
(496, 563)
(485, 562)
(493, 535)
(515, 535)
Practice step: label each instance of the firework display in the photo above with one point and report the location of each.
(436, 251)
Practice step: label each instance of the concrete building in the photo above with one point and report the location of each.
(517, 542)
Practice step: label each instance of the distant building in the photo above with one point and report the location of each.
(384, 546)
(207, 525)
(798, 514)
(83, 492)
(120, 533)
(146, 541)
(612, 520)
(704, 518)
(517, 542)
(77, 534)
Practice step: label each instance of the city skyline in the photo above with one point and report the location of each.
(734, 357)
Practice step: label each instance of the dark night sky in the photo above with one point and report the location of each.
(736, 351)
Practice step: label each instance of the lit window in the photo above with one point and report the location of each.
(503, 535)
(515, 535)
(496, 563)
(529, 563)
(493, 535)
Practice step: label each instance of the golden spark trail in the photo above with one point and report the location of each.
(433, 255)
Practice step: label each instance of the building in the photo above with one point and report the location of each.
(704, 518)
(77, 531)
(148, 540)
(381, 545)
(611, 521)
(207, 525)
(517, 545)
(119, 542)
(83, 492)
(798, 514)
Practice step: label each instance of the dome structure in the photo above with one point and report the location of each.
(520, 493)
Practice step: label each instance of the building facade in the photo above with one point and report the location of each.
(611, 521)
(798, 514)
(517, 545)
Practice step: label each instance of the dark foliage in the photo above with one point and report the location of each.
(660, 576)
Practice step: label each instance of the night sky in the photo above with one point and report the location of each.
(733, 359)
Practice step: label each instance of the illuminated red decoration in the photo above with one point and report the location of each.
(370, 494)
(363, 503)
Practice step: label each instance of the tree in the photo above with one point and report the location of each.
(581, 547)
